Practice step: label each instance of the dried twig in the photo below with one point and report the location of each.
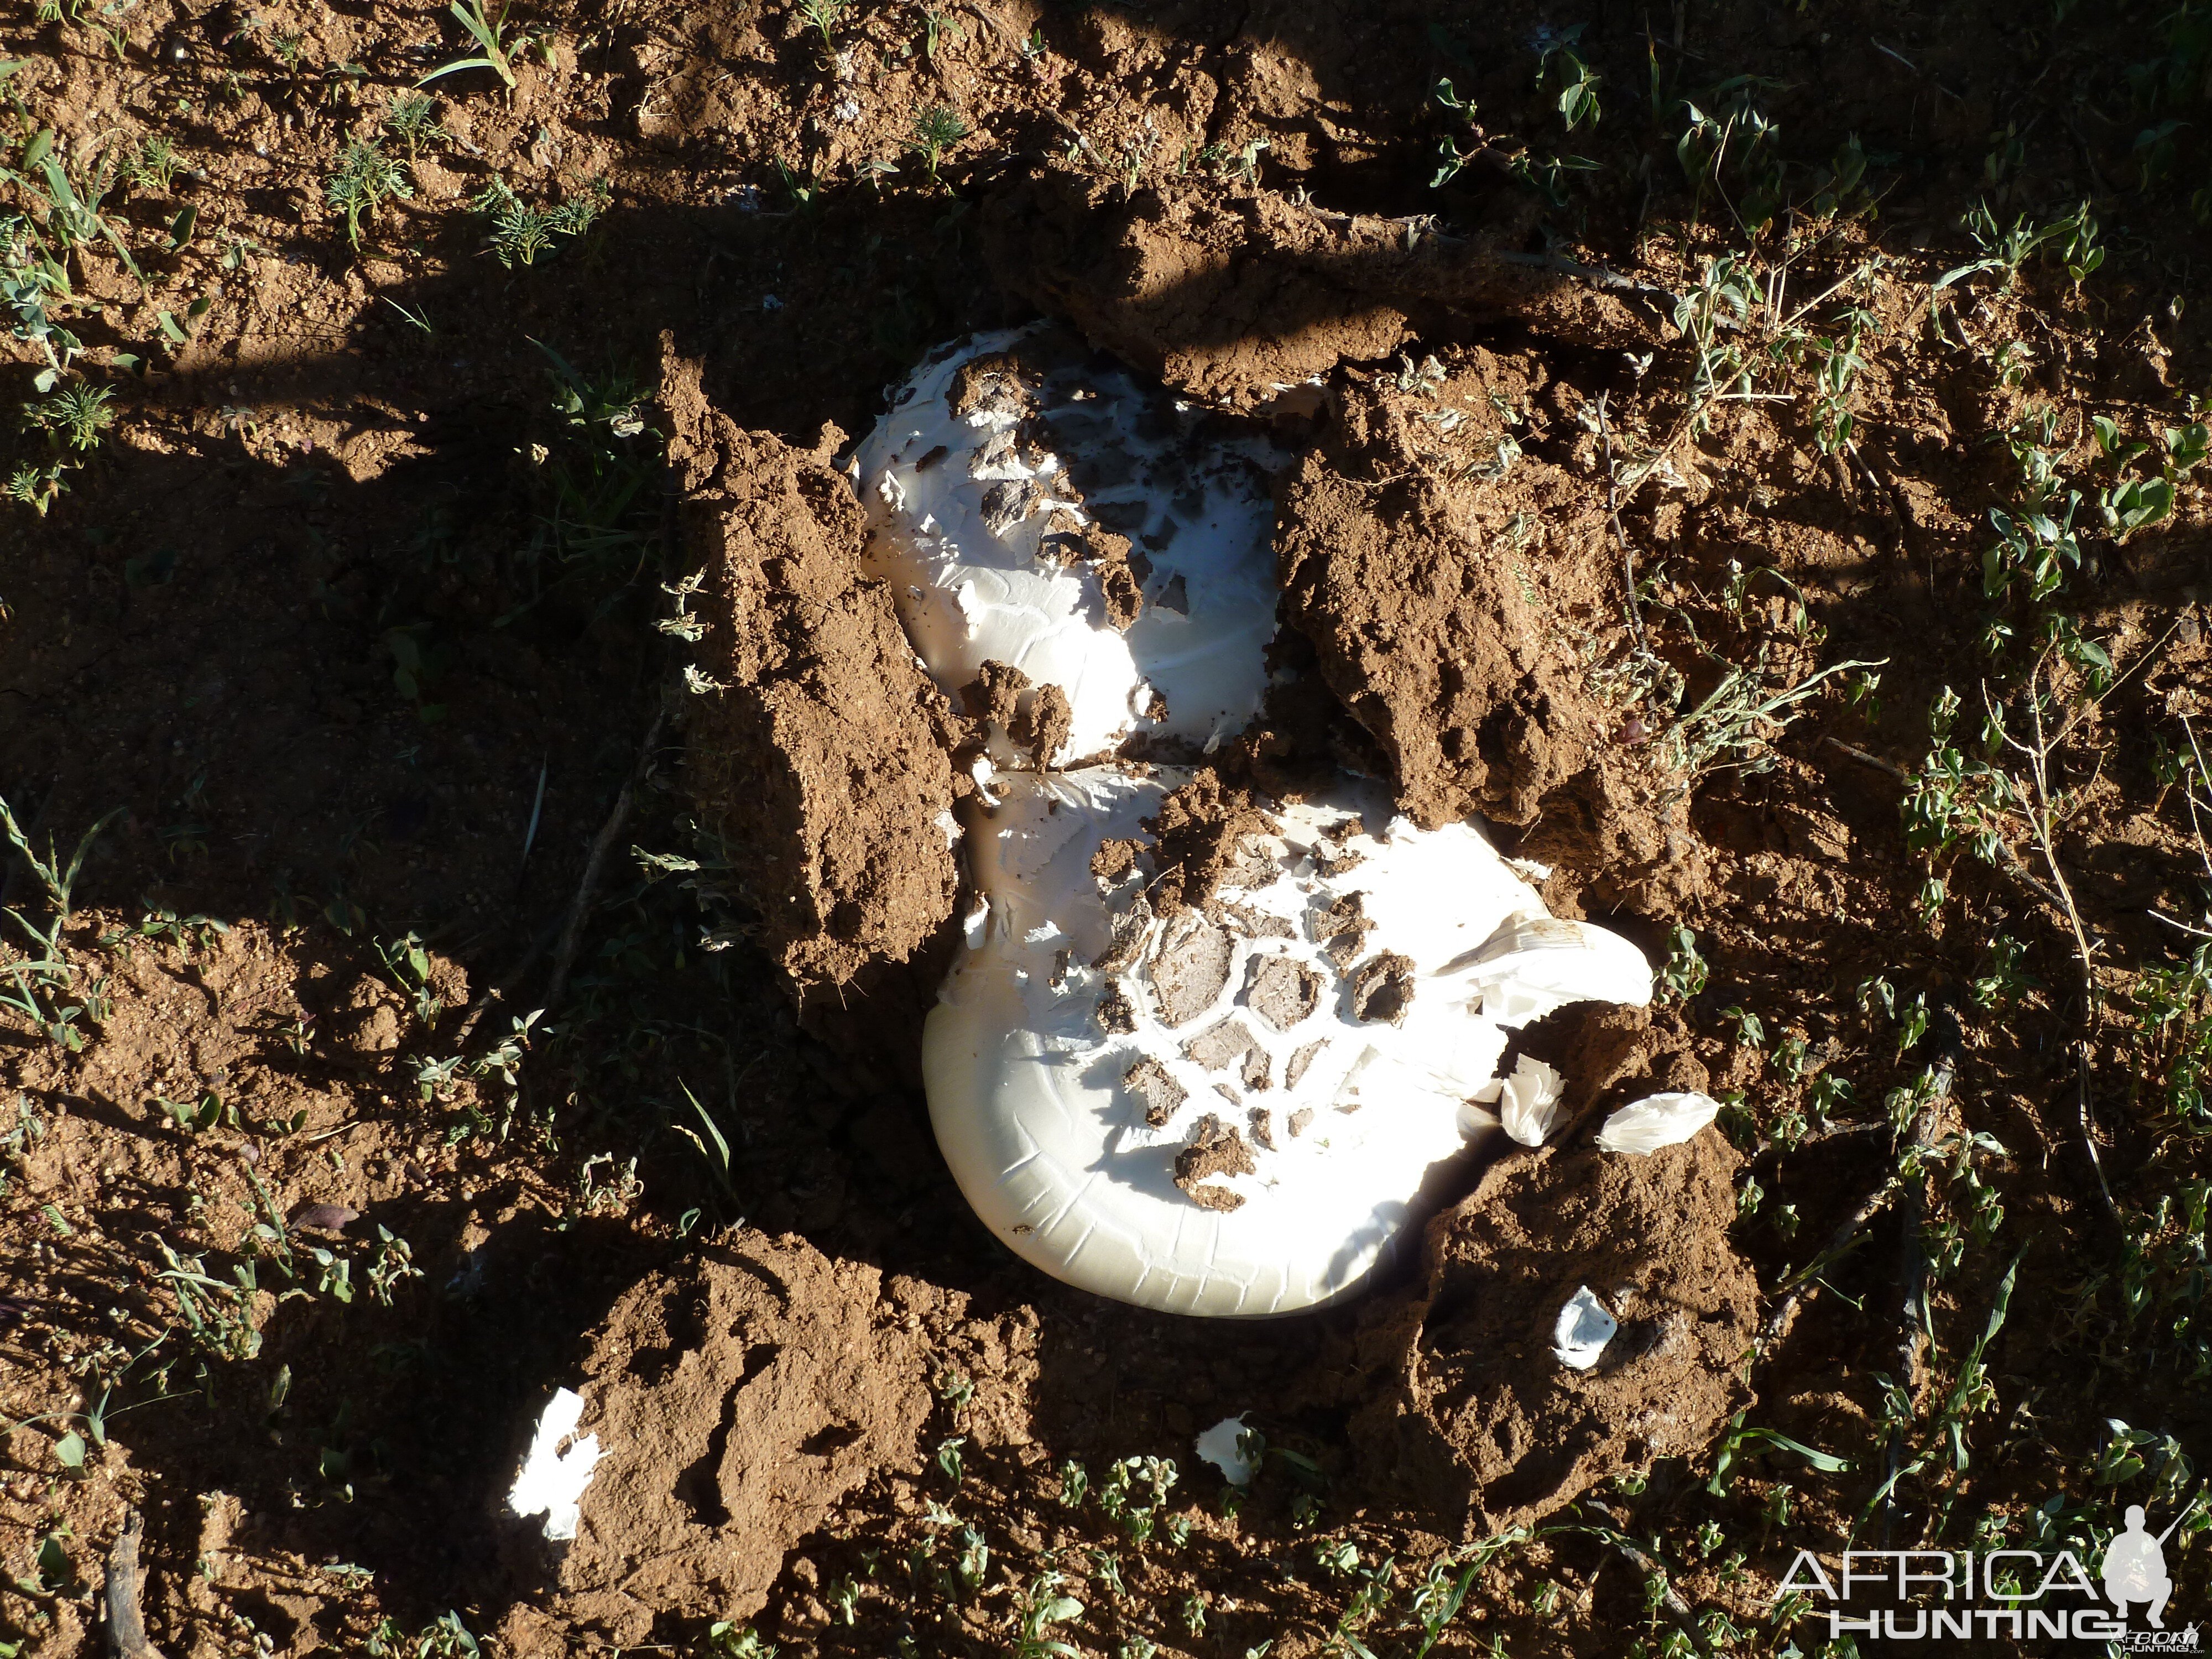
(571, 930)
(2039, 764)
(564, 954)
(1840, 1243)
(1612, 517)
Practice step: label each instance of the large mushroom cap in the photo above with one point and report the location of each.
(1239, 1109)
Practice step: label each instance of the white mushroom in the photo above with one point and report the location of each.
(987, 491)
(1236, 1111)
(1238, 1108)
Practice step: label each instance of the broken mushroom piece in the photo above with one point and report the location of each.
(1033, 508)
(1643, 1126)
(1536, 963)
(557, 1468)
(1527, 1100)
(1239, 1107)
(1582, 1330)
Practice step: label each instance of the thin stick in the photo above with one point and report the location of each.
(564, 954)
(1839, 1243)
(2038, 762)
(1596, 276)
(1863, 759)
(1612, 517)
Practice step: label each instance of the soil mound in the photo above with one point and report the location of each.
(1236, 298)
(822, 755)
(736, 1398)
(1445, 610)
(1482, 1420)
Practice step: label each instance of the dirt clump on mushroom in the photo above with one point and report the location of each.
(823, 750)
(1440, 611)
(1475, 1412)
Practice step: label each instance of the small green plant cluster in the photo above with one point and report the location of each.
(2038, 536)
(366, 179)
(2164, 1272)
(444, 1637)
(522, 235)
(1747, 345)
(41, 986)
(936, 130)
(2002, 249)
(59, 213)
(2170, 1011)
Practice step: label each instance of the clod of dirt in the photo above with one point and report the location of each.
(825, 754)
(1189, 969)
(1481, 1420)
(1281, 991)
(1215, 1149)
(1382, 988)
(1236, 298)
(1198, 839)
(737, 1397)
(1424, 625)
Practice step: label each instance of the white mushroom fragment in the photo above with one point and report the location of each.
(1223, 1446)
(553, 1479)
(1583, 1329)
(1064, 521)
(1527, 1101)
(1234, 1111)
(1643, 1126)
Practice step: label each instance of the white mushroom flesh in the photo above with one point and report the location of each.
(1236, 1111)
(973, 518)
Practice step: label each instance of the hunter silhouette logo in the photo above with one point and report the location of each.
(2134, 1568)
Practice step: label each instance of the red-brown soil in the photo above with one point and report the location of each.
(443, 929)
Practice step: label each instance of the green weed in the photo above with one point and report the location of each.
(522, 235)
(1562, 66)
(75, 416)
(823, 16)
(412, 120)
(152, 164)
(496, 52)
(366, 179)
(1733, 728)
(1040, 1606)
(936, 129)
(37, 986)
(2004, 250)
(71, 199)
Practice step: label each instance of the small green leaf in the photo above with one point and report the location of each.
(69, 1450)
(54, 1562)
